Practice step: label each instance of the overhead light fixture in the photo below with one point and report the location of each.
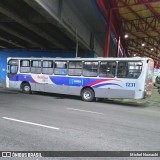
(126, 36)
(142, 44)
(152, 49)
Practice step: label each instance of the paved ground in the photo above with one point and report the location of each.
(112, 125)
(153, 101)
(155, 98)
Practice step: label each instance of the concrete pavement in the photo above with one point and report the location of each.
(82, 126)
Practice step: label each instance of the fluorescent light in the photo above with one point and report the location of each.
(143, 44)
(126, 36)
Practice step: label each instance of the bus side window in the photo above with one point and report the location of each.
(25, 66)
(75, 68)
(36, 67)
(122, 70)
(60, 68)
(134, 69)
(90, 69)
(129, 69)
(47, 67)
(107, 69)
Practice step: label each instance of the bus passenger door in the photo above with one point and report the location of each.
(12, 77)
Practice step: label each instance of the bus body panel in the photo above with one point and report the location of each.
(103, 87)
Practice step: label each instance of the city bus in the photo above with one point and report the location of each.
(90, 78)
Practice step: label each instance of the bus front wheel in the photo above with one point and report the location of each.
(88, 95)
(26, 88)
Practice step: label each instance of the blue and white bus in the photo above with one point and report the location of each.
(90, 78)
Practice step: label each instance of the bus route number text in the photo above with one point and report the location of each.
(128, 84)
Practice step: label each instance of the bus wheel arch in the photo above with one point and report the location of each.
(26, 88)
(88, 94)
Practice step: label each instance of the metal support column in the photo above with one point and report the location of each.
(118, 45)
(108, 31)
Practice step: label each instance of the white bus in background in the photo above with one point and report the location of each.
(90, 78)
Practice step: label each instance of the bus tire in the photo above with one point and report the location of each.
(88, 95)
(26, 88)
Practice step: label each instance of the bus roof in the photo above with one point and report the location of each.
(83, 59)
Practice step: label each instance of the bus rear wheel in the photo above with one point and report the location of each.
(26, 88)
(88, 95)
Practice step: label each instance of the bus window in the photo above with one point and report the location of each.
(75, 68)
(90, 69)
(122, 69)
(13, 66)
(107, 69)
(47, 67)
(134, 69)
(60, 68)
(25, 66)
(36, 67)
(13, 69)
(129, 69)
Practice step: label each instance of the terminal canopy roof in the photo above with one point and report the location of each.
(137, 23)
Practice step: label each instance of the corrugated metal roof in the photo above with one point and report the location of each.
(140, 19)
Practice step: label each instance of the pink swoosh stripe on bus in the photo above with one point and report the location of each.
(34, 80)
(93, 83)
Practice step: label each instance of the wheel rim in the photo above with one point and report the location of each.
(87, 95)
(27, 88)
